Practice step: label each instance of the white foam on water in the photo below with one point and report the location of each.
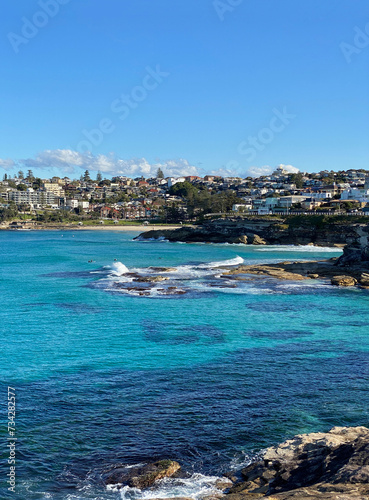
(196, 487)
(143, 239)
(230, 262)
(118, 269)
(304, 285)
(190, 272)
(299, 248)
(262, 291)
(238, 463)
(194, 271)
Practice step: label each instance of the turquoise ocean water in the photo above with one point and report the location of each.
(104, 375)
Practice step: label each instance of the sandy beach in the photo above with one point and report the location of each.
(71, 227)
(139, 228)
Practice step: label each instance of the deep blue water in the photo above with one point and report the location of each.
(208, 377)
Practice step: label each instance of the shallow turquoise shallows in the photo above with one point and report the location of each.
(208, 377)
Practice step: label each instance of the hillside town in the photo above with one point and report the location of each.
(182, 199)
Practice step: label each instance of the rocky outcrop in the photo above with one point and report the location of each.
(343, 281)
(297, 271)
(301, 231)
(357, 252)
(151, 279)
(140, 477)
(332, 465)
(275, 270)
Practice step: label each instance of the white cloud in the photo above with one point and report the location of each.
(67, 161)
(259, 171)
(267, 170)
(7, 163)
(290, 168)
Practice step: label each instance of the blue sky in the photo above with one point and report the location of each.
(229, 86)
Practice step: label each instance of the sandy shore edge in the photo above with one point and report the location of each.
(139, 229)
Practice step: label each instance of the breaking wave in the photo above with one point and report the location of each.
(196, 486)
(230, 262)
(118, 269)
(297, 248)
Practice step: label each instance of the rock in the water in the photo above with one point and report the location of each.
(356, 251)
(151, 279)
(364, 279)
(172, 498)
(333, 465)
(223, 484)
(257, 240)
(313, 276)
(141, 477)
(241, 239)
(162, 269)
(343, 280)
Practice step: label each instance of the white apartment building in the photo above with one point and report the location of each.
(33, 197)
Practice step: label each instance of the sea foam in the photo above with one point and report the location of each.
(118, 269)
(196, 487)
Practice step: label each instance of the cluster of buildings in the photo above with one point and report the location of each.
(140, 198)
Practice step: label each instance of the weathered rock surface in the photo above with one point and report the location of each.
(357, 251)
(172, 498)
(343, 280)
(364, 279)
(332, 465)
(304, 231)
(151, 279)
(258, 240)
(141, 477)
(163, 269)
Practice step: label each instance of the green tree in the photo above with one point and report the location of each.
(20, 174)
(160, 174)
(184, 189)
(37, 182)
(99, 176)
(30, 175)
(297, 179)
(22, 187)
(86, 176)
(105, 182)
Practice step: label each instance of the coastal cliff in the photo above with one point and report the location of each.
(349, 270)
(297, 230)
(357, 251)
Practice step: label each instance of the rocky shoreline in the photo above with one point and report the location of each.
(351, 269)
(354, 275)
(263, 231)
(331, 465)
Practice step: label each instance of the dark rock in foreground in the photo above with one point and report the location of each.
(332, 465)
(141, 477)
(260, 232)
(358, 250)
